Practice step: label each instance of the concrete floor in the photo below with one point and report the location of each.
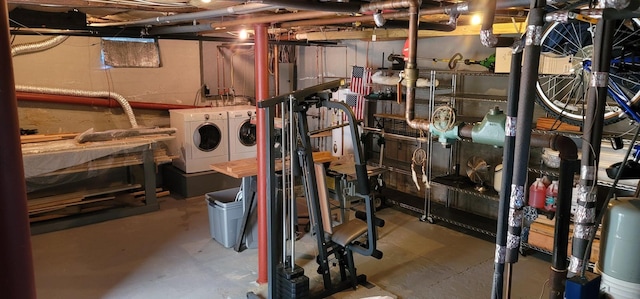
(169, 254)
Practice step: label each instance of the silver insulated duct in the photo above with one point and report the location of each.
(47, 44)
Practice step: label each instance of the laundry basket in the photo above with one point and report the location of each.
(225, 216)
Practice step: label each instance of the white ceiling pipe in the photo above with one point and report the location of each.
(185, 17)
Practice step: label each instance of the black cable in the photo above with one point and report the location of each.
(606, 203)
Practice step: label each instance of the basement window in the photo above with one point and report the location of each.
(130, 52)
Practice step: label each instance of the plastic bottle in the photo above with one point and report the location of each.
(537, 194)
(552, 195)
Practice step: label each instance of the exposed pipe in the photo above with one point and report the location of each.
(341, 20)
(38, 46)
(262, 93)
(276, 69)
(507, 171)
(50, 43)
(240, 22)
(355, 19)
(445, 27)
(592, 132)
(342, 6)
(411, 69)
(85, 93)
(16, 260)
(531, 60)
(487, 38)
(94, 102)
(185, 17)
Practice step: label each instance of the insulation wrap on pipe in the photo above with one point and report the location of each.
(596, 98)
(85, 93)
(531, 60)
(38, 46)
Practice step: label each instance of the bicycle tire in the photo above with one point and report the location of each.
(564, 96)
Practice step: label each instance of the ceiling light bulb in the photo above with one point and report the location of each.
(205, 1)
(243, 34)
(476, 19)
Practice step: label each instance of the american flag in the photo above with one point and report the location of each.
(360, 87)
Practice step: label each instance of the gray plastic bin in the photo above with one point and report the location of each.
(225, 215)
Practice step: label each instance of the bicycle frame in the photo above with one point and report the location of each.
(615, 92)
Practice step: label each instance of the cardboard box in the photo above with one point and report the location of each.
(550, 64)
(541, 236)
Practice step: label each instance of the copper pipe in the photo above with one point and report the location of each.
(16, 261)
(188, 17)
(276, 69)
(94, 102)
(341, 20)
(411, 67)
(262, 93)
(270, 19)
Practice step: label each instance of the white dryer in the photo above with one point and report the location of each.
(201, 138)
(242, 132)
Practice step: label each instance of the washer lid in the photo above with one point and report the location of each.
(247, 134)
(207, 137)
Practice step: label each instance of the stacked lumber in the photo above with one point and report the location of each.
(542, 231)
(160, 156)
(551, 124)
(46, 137)
(74, 203)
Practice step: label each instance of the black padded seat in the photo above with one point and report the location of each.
(345, 233)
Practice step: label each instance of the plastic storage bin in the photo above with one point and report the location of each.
(225, 215)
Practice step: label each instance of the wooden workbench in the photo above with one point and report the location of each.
(249, 167)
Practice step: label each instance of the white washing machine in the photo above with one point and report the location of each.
(201, 138)
(242, 132)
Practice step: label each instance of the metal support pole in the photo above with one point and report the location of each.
(593, 126)
(15, 239)
(262, 93)
(507, 171)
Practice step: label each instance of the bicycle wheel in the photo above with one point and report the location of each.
(563, 94)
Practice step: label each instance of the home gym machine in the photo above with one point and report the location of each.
(286, 279)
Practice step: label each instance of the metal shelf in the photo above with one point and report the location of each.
(472, 97)
(544, 170)
(464, 185)
(524, 245)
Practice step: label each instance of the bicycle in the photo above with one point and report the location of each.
(563, 96)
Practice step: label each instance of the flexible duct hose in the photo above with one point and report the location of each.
(47, 44)
(85, 93)
(55, 41)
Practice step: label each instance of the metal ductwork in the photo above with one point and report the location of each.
(327, 6)
(85, 93)
(50, 43)
(27, 48)
(187, 17)
(241, 22)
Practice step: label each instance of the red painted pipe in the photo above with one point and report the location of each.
(17, 279)
(95, 102)
(262, 93)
